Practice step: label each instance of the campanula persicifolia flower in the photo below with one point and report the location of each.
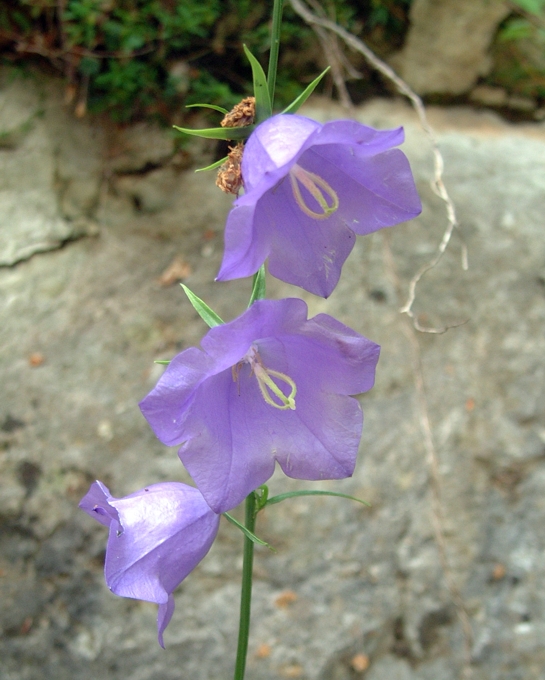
(308, 190)
(269, 386)
(157, 536)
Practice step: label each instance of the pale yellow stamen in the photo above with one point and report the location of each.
(267, 385)
(265, 381)
(318, 188)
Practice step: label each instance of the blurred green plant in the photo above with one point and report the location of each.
(139, 59)
(519, 51)
(148, 58)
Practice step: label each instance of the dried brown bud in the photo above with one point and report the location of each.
(229, 177)
(241, 115)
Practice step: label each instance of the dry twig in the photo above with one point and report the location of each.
(433, 465)
(409, 328)
(437, 185)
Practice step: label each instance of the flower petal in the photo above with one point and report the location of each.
(159, 536)
(372, 181)
(231, 436)
(96, 504)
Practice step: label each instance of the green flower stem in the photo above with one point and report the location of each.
(251, 500)
(275, 47)
(246, 591)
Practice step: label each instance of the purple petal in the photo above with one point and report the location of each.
(373, 182)
(225, 452)
(164, 614)
(96, 504)
(157, 536)
(245, 250)
(179, 380)
(231, 437)
(373, 192)
(309, 256)
(346, 360)
(274, 144)
(167, 529)
(363, 139)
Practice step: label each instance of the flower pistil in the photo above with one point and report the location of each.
(318, 188)
(265, 380)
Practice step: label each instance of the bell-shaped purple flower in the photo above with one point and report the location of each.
(269, 386)
(309, 189)
(157, 536)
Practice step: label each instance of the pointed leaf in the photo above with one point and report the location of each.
(208, 106)
(301, 99)
(203, 310)
(293, 494)
(219, 133)
(258, 289)
(213, 166)
(247, 532)
(162, 362)
(263, 106)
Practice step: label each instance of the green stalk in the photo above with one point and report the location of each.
(258, 293)
(275, 47)
(246, 591)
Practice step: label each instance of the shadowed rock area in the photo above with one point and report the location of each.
(352, 592)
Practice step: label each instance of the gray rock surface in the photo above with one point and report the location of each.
(47, 194)
(352, 592)
(447, 45)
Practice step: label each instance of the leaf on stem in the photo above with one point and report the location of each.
(203, 310)
(258, 289)
(293, 494)
(263, 106)
(301, 99)
(215, 165)
(247, 532)
(208, 106)
(226, 133)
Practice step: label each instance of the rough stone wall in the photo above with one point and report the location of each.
(352, 592)
(447, 45)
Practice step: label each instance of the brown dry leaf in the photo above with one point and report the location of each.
(285, 599)
(498, 572)
(263, 651)
(177, 270)
(360, 663)
(292, 671)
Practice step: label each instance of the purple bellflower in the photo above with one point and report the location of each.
(157, 536)
(309, 188)
(269, 386)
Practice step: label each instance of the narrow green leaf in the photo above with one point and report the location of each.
(203, 310)
(258, 289)
(247, 532)
(213, 166)
(293, 494)
(162, 362)
(219, 133)
(301, 99)
(263, 106)
(208, 106)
